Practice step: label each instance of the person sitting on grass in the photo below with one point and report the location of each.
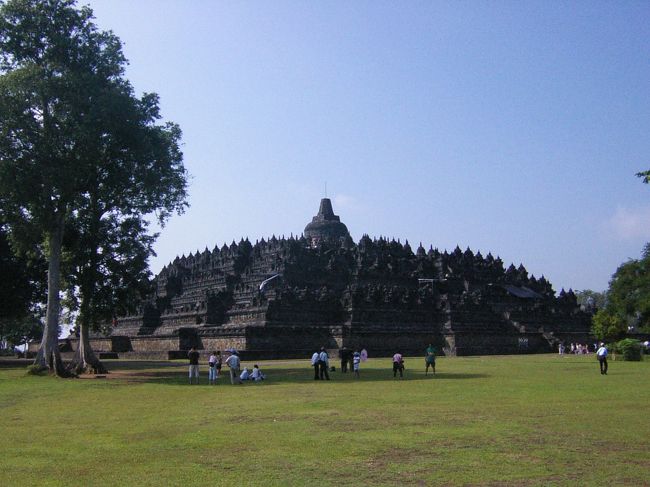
(244, 375)
(257, 374)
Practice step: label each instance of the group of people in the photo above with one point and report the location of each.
(429, 362)
(320, 361)
(215, 362)
(601, 353)
(576, 348)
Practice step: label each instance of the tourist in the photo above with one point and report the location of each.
(218, 363)
(356, 362)
(430, 360)
(244, 375)
(315, 359)
(257, 374)
(364, 355)
(212, 368)
(343, 353)
(323, 364)
(193, 355)
(233, 363)
(398, 365)
(601, 355)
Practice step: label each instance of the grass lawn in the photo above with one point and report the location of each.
(504, 420)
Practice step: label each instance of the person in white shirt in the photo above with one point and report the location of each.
(323, 364)
(234, 363)
(244, 375)
(212, 368)
(601, 355)
(356, 361)
(257, 374)
(314, 363)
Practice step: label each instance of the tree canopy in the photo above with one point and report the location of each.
(628, 299)
(79, 152)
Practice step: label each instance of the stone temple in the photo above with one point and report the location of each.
(286, 297)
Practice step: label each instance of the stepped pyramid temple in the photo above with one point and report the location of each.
(288, 297)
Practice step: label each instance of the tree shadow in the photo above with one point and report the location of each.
(175, 373)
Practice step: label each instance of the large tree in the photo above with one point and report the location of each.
(629, 291)
(108, 277)
(76, 144)
(628, 299)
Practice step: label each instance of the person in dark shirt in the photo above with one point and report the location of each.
(193, 355)
(430, 359)
(344, 353)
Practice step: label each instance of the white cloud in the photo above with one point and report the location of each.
(629, 224)
(346, 203)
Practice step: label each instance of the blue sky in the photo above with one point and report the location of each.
(510, 127)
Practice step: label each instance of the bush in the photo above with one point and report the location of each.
(628, 349)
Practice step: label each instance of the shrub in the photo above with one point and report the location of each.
(628, 349)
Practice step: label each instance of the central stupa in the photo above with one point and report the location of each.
(325, 225)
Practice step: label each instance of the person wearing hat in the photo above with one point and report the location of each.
(601, 355)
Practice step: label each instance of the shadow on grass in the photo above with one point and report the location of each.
(174, 373)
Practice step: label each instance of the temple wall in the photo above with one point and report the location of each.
(462, 343)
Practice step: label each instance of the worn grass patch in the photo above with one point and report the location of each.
(515, 420)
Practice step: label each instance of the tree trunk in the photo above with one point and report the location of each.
(48, 355)
(85, 361)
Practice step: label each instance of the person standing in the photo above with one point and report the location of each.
(193, 355)
(212, 368)
(601, 355)
(315, 359)
(218, 363)
(430, 360)
(324, 363)
(233, 363)
(398, 365)
(344, 352)
(356, 362)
